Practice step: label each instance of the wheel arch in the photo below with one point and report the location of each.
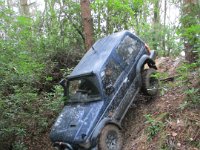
(99, 128)
(145, 59)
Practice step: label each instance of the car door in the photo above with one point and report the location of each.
(126, 54)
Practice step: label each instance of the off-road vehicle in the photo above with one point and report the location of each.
(100, 90)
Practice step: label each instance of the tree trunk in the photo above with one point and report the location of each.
(164, 35)
(169, 47)
(189, 9)
(156, 12)
(156, 21)
(144, 12)
(9, 4)
(99, 19)
(87, 23)
(189, 53)
(24, 7)
(108, 19)
(137, 23)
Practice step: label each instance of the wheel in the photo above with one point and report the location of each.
(150, 83)
(110, 138)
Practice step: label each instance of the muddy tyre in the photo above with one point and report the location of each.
(150, 83)
(110, 138)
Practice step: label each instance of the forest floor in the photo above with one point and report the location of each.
(173, 125)
(169, 123)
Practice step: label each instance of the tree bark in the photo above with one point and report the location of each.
(156, 12)
(164, 35)
(156, 22)
(108, 19)
(24, 7)
(87, 23)
(137, 23)
(99, 20)
(188, 9)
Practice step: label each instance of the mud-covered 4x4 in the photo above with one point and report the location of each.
(100, 90)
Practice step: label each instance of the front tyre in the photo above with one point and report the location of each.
(110, 138)
(150, 83)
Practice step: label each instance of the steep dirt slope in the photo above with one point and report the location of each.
(179, 126)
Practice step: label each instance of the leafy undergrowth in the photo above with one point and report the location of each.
(172, 120)
(30, 104)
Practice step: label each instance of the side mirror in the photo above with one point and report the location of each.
(63, 83)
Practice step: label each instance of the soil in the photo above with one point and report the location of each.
(181, 127)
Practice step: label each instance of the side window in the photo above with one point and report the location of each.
(110, 74)
(128, 49)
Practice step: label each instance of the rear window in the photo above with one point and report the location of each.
(128, 49)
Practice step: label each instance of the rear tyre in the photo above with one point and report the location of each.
(110, 138)
(150, 83)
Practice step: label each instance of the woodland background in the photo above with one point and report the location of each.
(41, 41)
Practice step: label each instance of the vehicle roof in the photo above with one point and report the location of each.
(95, 58)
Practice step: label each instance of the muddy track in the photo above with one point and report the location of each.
(175, 134)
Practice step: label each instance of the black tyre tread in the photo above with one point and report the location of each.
(103, 134)
(145, 81)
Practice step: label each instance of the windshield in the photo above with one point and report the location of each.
(83, 90)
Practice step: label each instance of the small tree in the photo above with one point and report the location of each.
(156, 23)
(24, 7)
(87, 23)
(190, 29)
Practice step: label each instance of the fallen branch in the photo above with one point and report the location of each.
(170, 78)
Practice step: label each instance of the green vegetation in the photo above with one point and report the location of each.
(154, 126)
(187, 72)
(179, 121)
(38, 48)
(193, 96)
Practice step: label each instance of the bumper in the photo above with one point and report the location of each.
(62, 146)
(68, 146)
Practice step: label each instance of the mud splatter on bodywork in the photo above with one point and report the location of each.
(114, 62)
